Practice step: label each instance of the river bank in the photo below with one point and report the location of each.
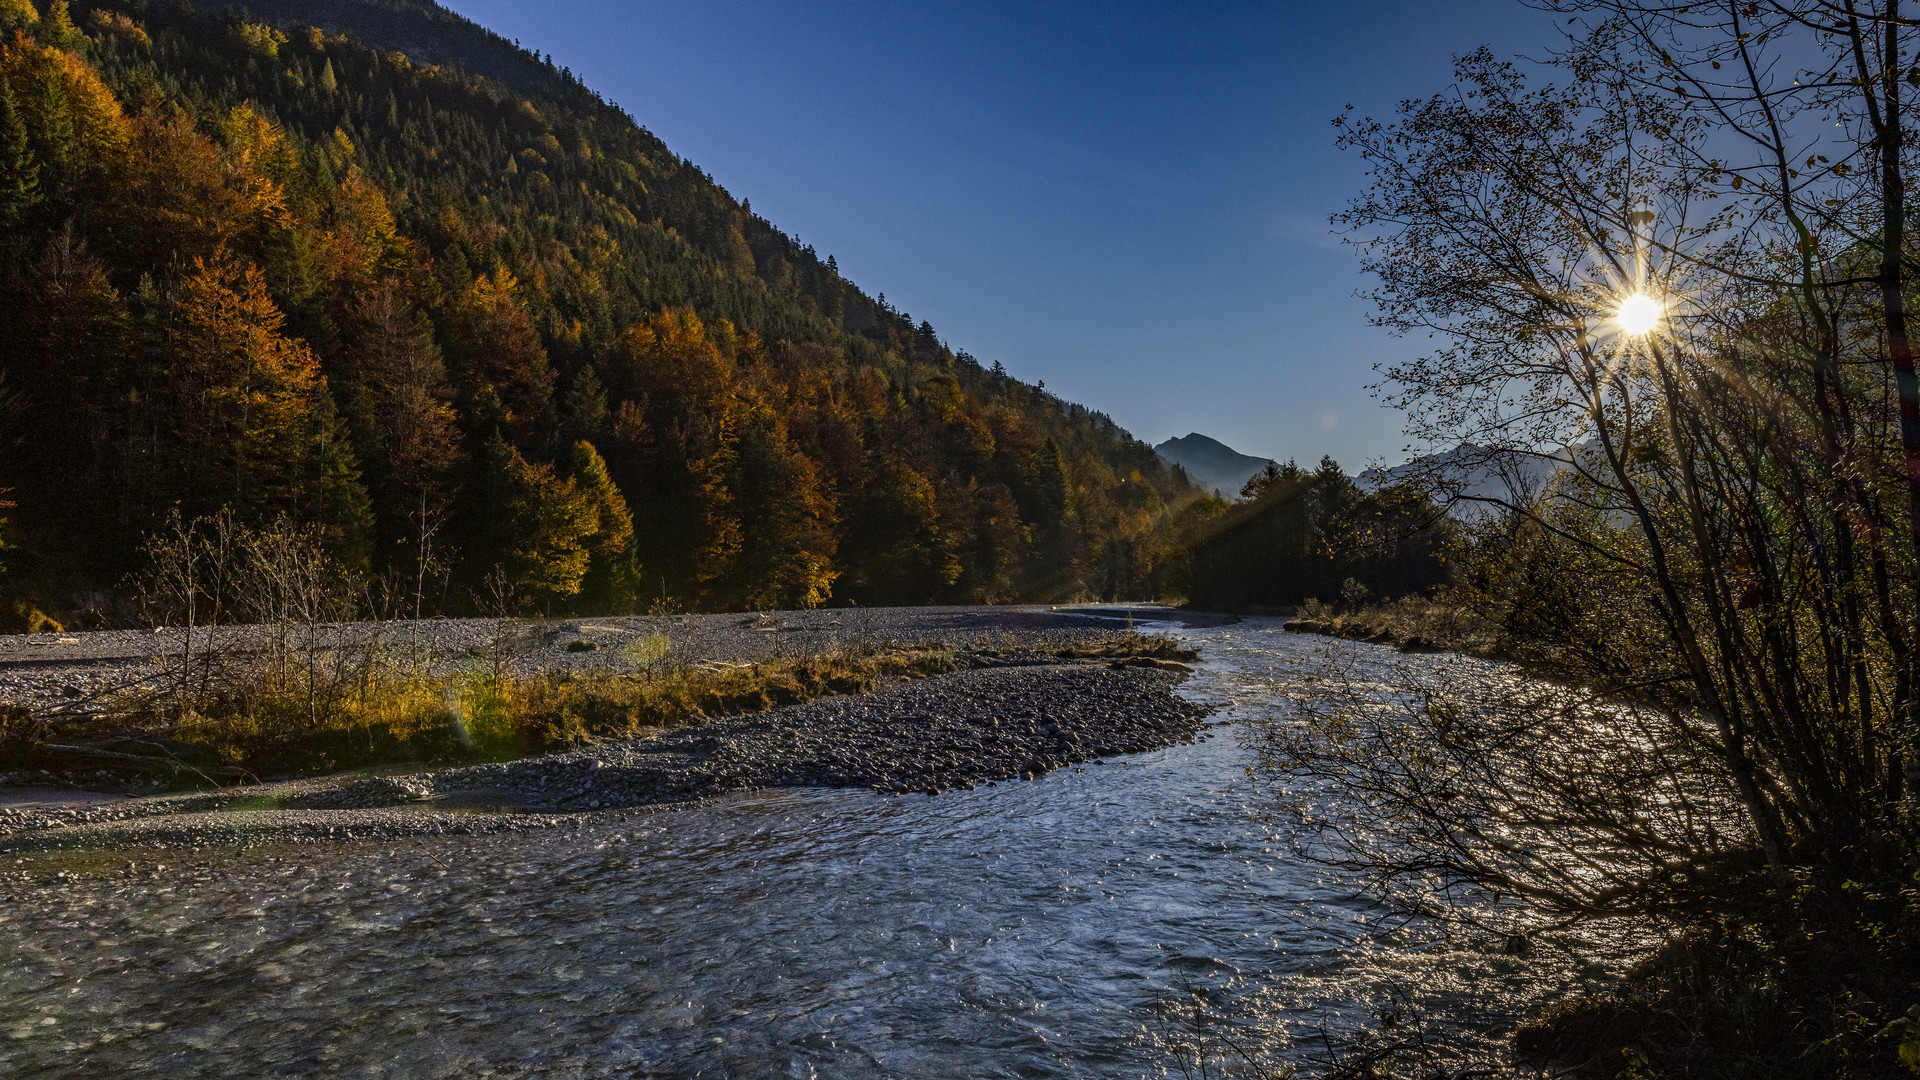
(1034, 928)
(1016, 709)
(68, 674)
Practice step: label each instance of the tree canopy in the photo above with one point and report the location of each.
(459, 313)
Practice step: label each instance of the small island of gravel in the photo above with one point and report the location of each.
(1032, 692)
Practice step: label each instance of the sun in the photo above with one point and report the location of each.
(1638, 314)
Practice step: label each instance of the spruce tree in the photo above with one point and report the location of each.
(586, 406)
(19, 174)
(57, 30)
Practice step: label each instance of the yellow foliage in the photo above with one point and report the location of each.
(88, 107)
(254, 142)
(113, 25)
(258, 161)
(364, 231)
(188, 194)
(613, 528)
(17, 15)
(261, 38)
(553, 523)
(490, 291)
(742, 252)
(255, 382)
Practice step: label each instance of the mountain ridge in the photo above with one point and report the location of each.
(505, 329)
(1211, 463)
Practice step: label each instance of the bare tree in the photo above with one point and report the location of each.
(1669, 270)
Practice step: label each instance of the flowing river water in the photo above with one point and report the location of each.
(1080, 925)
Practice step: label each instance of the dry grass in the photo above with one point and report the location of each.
(1434, 623)
(346, 704)
(1128, 645)
(342, 711)
(507, 717)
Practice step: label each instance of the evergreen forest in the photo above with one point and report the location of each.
(1299, 535)
(365, 268)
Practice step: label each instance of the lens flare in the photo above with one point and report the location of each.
(1638, 314)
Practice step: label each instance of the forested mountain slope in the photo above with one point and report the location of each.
(368, 267)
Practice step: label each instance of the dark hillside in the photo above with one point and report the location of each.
(1305, 535)
(371, 268)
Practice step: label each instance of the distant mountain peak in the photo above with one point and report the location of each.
(1211, 463)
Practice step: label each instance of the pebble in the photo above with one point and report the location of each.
(1017, 715)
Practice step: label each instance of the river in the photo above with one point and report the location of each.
(1063, 927)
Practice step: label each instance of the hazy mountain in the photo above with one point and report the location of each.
(1466, 476)
(1211, 463)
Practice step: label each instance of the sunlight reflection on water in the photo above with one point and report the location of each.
(1025, 930)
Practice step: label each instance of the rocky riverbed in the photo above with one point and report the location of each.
(1013, 713)
(67, 673)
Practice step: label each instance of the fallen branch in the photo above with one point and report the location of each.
(145, 760)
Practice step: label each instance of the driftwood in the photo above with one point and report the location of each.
(146, 761)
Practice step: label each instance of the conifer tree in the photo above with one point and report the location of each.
(613, 572)
(57, 30)
(586, 406)
(242, 393)
(786, 521)
(787, 440)
(332, 494)
(49, 118)
(401, 367)
(19, 175)
(494, 344)
(546, 523)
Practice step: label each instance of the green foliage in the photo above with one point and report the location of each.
(646, 650)
(19, 175)
(547, 523)
(57, 30)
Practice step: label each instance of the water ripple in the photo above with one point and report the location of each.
(1029, 930)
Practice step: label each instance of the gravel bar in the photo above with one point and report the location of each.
(58, 674)
(1015, 715)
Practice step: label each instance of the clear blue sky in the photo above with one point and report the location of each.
(1127, 200)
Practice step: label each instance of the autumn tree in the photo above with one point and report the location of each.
(787, 540)
(298, 276)
(542, 528)
(612, 582)
(245, 413)
(497, 352)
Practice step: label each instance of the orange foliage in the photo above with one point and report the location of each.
(184, 194)
(492, 330)
(91, 109)
(364, 245)
(245, 388)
